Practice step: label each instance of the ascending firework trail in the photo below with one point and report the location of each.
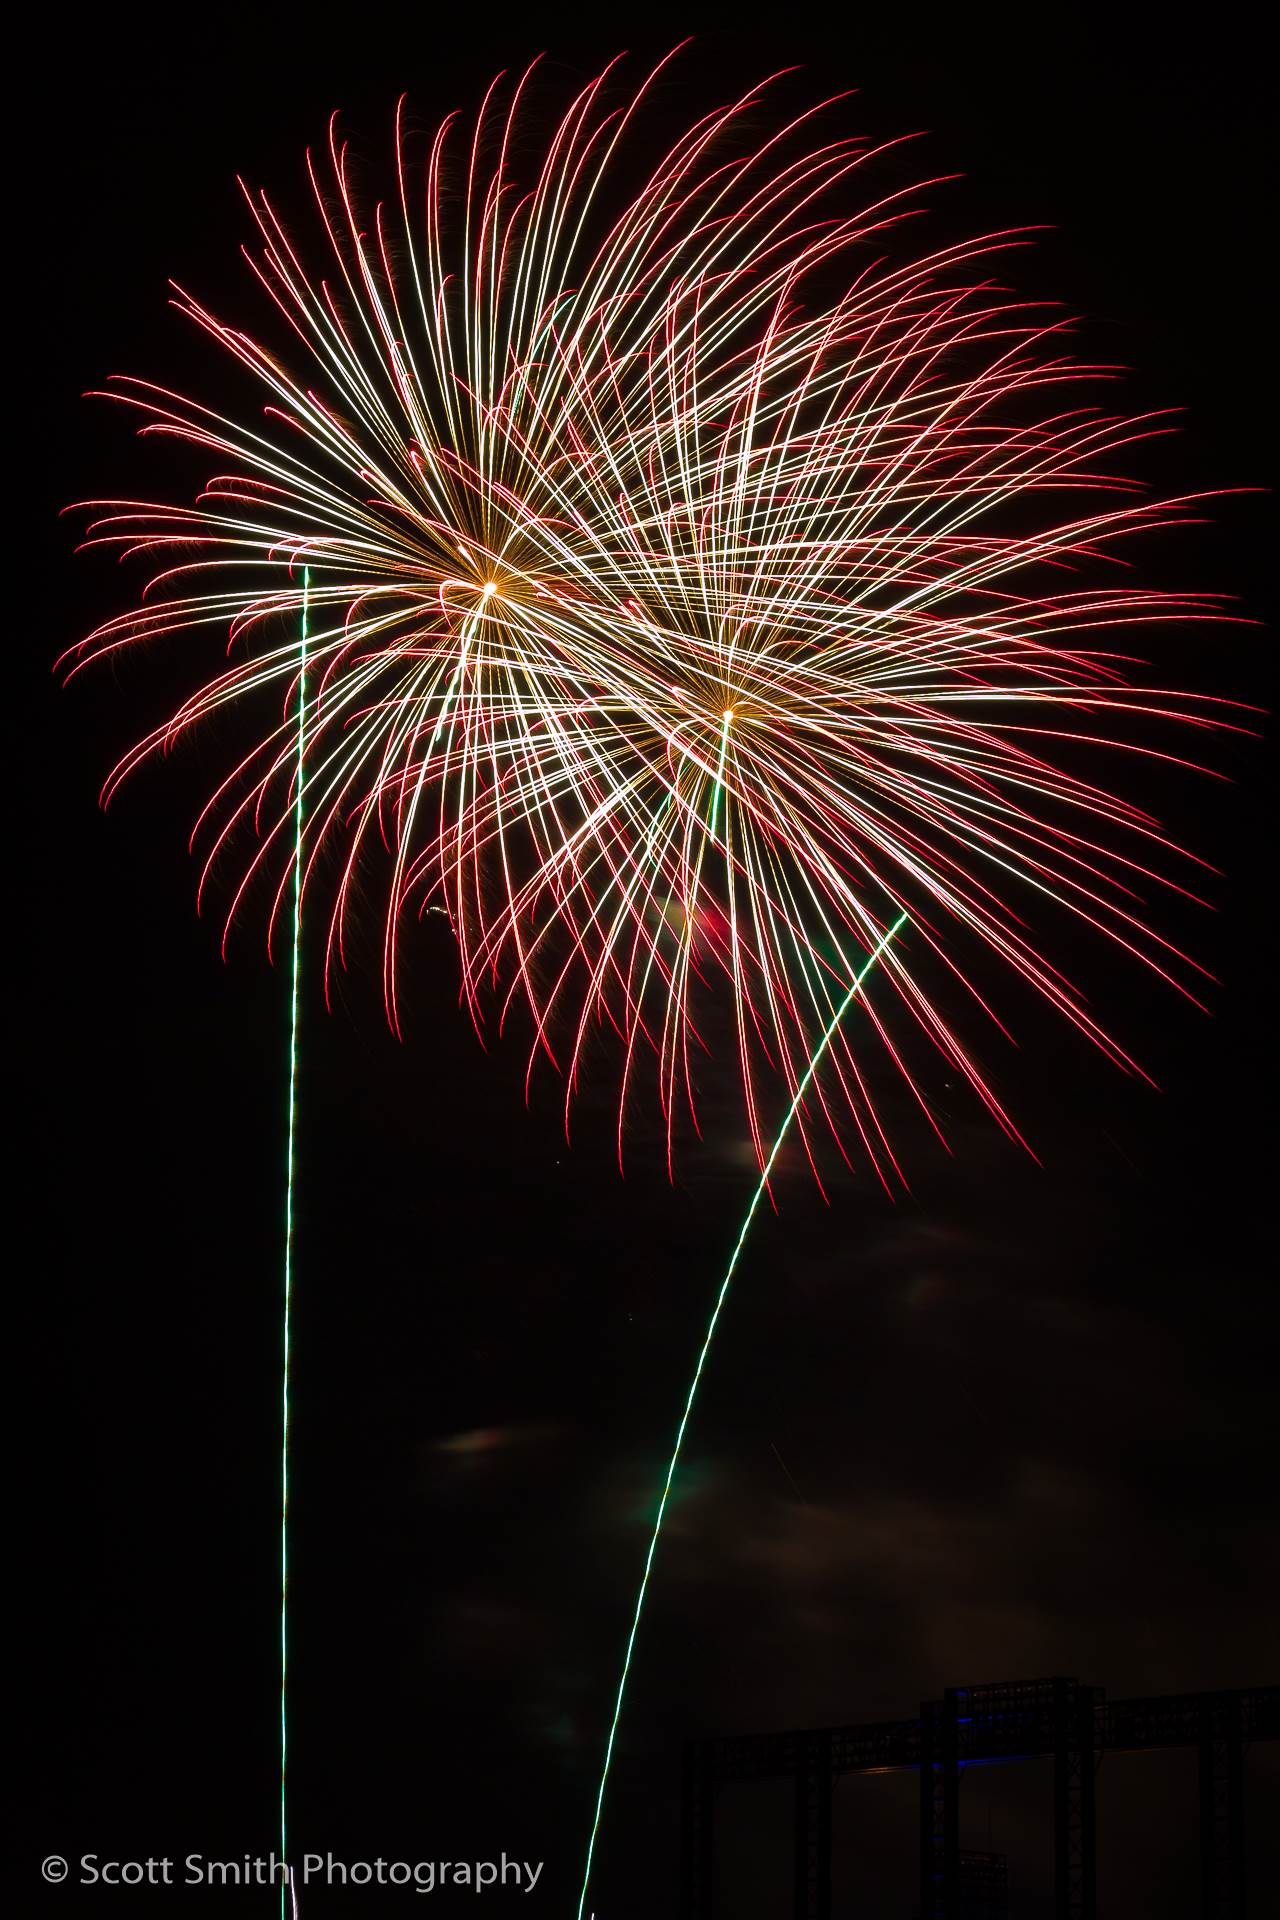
(709, 1336)
(290, 1167)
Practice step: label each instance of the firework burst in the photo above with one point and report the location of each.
(668, 629)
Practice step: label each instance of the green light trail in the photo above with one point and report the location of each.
(721, 1297)
(290, 1172)
(719, 781)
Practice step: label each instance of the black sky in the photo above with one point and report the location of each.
(1019, 1423)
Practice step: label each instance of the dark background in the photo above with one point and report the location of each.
(1016, 1424)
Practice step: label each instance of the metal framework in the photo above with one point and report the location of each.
(1061, 1719)
(984, 1886)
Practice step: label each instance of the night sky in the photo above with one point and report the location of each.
(1019, 1423)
